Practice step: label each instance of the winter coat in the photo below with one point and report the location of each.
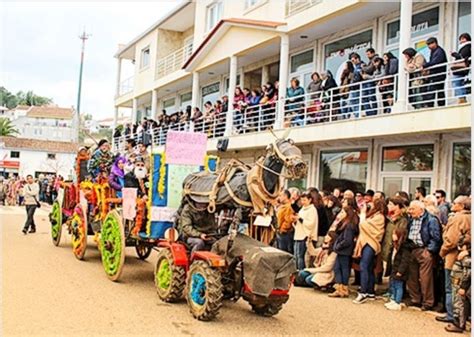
(400, 222)
(323, 270)
(437, 56)
(464, 53)
(116, 182)
(285, 218)
(414, 66)
(392, 67)
(458, 224)
(307, 225)
(371, 233)
(193, 223)
(369, 69)
(345, 240)
(430, 232)
(315, 86)
(401, 262)
(323, 221)
(31, 193)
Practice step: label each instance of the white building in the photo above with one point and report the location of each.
(23, 156)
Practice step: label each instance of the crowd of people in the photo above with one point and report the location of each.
(421, 245)
(12, 189)
(365, 88)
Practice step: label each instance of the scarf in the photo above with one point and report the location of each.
(116, 170)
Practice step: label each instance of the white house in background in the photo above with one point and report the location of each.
(23, 156)
(45, 123)
(6, 113)
(95, 126)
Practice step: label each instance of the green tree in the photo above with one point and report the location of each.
(7, 99)
(30, 98)
(7, 128)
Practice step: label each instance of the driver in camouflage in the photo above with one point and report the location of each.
(196, 225)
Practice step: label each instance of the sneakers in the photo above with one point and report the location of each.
(393, 306)
(389, 303)
(371, 297)
(24, 230)
(32, 230)
(361, 298)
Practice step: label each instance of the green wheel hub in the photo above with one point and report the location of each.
(56, 222)
(163, 276)
(112, 246)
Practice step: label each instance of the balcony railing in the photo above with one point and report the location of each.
(296, 6)
(173, 61)
(126, 86)
(438, 86)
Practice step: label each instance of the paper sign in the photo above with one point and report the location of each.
(187, 148)
(60, 197)
(129, 202)
(162, 213)
(176, 176)
(263, 221)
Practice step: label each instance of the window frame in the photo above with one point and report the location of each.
(16, 152)
(220, 6)
(142, 53)
(384, 146)
(450, 171)
(51, 156)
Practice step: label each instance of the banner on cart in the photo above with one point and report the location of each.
(162, 213)
(129, 201)
(186, 148)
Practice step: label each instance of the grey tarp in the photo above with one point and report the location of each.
(265, 268)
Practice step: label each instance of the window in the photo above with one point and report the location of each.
(14, 154)
(227, 83)
(145, 58)
(250, 3)
(301, 67)
(185, 100)
(51, 156)
(408, 158)
(337, 53)
(343, 169)
(461, 175)
(464, 18)
(168, 104)
(210, 93)
(214, 14)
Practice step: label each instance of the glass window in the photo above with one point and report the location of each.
(185, 100)
(14, 154)
(419, 181)
(461, 176)
(227, 81)
(337, 53)
(210, 93)
(51, 156)
(250, 3)
(145, 57)
(408, 158)
(168, 105)
(464, 18)
(214, 14)
(302, 61)
(343, 169)
(392, 185)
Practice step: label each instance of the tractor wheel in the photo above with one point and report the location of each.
(143, 251)
(56, 220)
(204, 291)
(267, 310)
(170, 279)
(112, 245)
(79, 233)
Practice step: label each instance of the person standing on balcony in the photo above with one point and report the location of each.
(369, 96)
(354, 95)
(436, 70)
(295, 95)
(330, 97)
(386, 86)
(344, 92)
(461, 67)
(413, 65)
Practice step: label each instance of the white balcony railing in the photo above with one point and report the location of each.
(296, 6)
(439, 86)
(173, 61)
(126, 86)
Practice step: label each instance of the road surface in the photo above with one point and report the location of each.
(47, 292)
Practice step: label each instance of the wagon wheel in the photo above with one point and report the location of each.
(79, 233)
(204, 291)
(112, 245)
(143, 250)
(170, 279)
(56, 220)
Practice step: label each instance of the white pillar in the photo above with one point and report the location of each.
(134, 110)
(115, 117)
(229, 118)
(195, 96)
(154, 101)
(283, 79)
(265, 74)
(119, 75)
(406, 7)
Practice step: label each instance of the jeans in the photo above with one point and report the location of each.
(449, 293)
(396, 290)
(369, 98)
(299, 252)
(458, 85)
(367, 276)
(198, 244)
(30, 221)
(304, 279)
(285, 242)
(342, 269)
(354, 101)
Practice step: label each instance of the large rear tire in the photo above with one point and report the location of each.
(112, 245)
(56, 220)
(204, 291)
(79, 233)
(170, 279)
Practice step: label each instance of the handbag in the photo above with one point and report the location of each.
(38, 205)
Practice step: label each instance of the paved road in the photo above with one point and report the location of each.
(47, 292)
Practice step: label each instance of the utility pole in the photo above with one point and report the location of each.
(83, 37)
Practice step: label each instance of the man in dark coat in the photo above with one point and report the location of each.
(436, 70)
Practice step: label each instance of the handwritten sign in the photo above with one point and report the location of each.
(129, 201)
(162, 213)
(187, 148)
(176, 176)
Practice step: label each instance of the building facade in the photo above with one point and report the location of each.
(204, 49)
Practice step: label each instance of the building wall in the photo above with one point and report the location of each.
(168, 42)
(45, 128)
(144, 77)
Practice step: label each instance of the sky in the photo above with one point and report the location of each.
(40, 48)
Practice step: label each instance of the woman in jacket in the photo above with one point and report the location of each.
(347, 77)
(386, 86)
(346, 232)
(306, 228)
(295, 95)
(116, 177)
(368, 245)
(414, 62)
(323, 221)
(397, 218)
(461, 67)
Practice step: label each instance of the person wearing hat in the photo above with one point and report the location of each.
(101, 160)
(436, 70)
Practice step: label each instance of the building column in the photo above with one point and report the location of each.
(265, 74)
(406, 7)
(134, 110)
(115, 117)
(195, 96)
(119, 75)
(229, 118)
(154, 103)
(282, 79)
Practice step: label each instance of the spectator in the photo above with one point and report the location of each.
(386, 86)
(347, 76)
(197, 115)
(443, 206)
(116, 177)
(331, 96)
(461, 67)
(413, 65)
(424, 234)
(294, 102)
(368, 245)
(405, 196)
(285, 216)
(420, 193)
(369, 196)
(397, 219)
(379, 195)
(295, 199)
(306, 228)
(359, 197)
(31, 191)
(225, 103)
(348, 194)
(323, 222)
(337, 193)
(238, 98)
(315, 86)
(346, 232)
(332, 207)
(459, 224)
(355, 88)
(370, 72)
(436, 69)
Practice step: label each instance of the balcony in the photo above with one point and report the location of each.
(295, 6)
(173, 61)
(126, 86)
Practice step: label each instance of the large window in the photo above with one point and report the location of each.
(145, 58)
(168, 105)
(301, 67)
(185, 100)
(464, 18)
(210, 93)
(214, 14)
(343, 169)
(461, 177)
(408, 158)
(337, 53)
(14, 154)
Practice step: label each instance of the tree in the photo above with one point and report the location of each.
(7, 128)
(29, 98)
(7, 99)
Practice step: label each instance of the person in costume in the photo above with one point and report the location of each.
(117, 176)
(101, 160)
